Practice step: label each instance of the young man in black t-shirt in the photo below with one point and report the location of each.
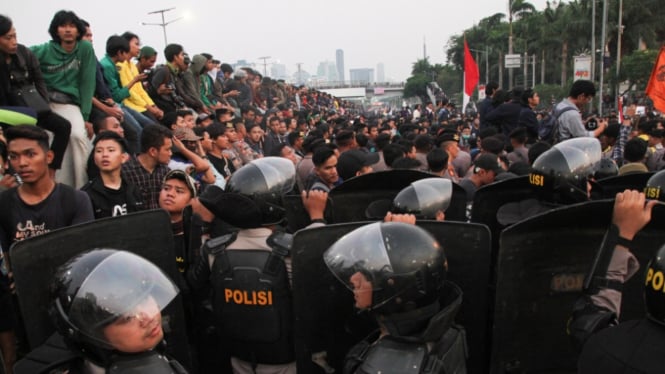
(109, 193)
(37, 206)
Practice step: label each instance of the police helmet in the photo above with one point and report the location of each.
(405, 265)
(99, 287)
(261, 184)
(424, 198)
(560, 174)
(606, 168)
(655, 187)
(654, 298)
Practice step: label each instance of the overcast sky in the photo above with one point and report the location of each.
(293, 31)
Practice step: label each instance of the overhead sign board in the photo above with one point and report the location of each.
(513, 61)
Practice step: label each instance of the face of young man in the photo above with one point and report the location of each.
(88, 34)
(192, 145)
(148, 62)
(289, 154)
(206, 142)
(174, 196)
(189, 121)
(222, 142)
(255, 134)
(179, 61)
(68, 33)
(225, 117)
(282, 128)
(534, 100)
(112, 124)
(138, 331)
(231, 134)
(362, 290)
(163, 154)
(29, 159)
(250, 116)
(9, 42)
(328, 171)
(109, 155)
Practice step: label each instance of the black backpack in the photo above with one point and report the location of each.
(549, 126)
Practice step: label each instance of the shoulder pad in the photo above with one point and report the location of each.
(280, 242)
(216, 245)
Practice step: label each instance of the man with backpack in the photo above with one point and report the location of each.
(568, 122)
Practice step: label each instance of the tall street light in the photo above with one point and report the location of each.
(486, 53)
(510, 41)
(265, 65)
(164, 23)
(602, 61)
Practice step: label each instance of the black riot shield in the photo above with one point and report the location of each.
(490, 198)
(327, 325)
(607, 188)
(541, 268)
(296, 215)
(35, 260)
(351, 199)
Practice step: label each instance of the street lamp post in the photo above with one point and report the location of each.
(163, 24)
(619, 36)
(602, 61)
(487, 64)
(510, 41)
(265, 65)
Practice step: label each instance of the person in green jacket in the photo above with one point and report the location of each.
(68, 65)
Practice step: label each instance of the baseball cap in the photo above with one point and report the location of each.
(181, 175)
(489, 162)
(185, 133)
(351, 161)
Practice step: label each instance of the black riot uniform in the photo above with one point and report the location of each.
(559, 176)
(397, 272)
(247, 270)
(107, 311)
(634, 346)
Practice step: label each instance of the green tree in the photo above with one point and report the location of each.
(636, 68)
(416, 86)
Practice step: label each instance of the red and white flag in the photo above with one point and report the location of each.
(471, 75)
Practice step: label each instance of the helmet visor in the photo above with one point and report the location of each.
(361, 250)
(434, 195)
(116, 288)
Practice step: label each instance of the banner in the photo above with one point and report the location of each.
(582, 67)
(656, 87)
(471, 74)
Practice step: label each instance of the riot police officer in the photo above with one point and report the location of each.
(107, 307)
(559, 176)
(633, 346)
(397, 272)
(249, 270)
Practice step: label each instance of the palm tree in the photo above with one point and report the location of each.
(516, 9)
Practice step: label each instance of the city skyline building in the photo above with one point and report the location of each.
(361, 76)
(327, 71)
(380, 73)
(339, 63)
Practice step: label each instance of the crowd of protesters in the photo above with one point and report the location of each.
(120, 125)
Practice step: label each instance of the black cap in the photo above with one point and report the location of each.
(487, 161)
(447, 136)
(351, 161)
